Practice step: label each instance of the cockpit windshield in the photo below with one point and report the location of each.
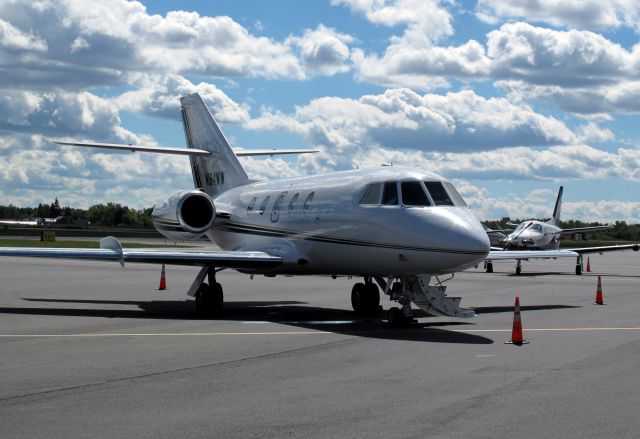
(438, 193)
(413, 194)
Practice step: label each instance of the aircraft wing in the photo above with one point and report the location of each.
(504, 255)
(497, 255)
(607, 248)
(110, 250)
(586, 229)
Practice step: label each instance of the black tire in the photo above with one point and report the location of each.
(372, 298)
(518, 271)
(209, 299)
(578, 270)
(395, 317)
(489, 267)
(218, 297)
(358, 298)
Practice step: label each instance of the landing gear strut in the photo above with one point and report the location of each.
(579, 265)
(365, 298)
(209, 296)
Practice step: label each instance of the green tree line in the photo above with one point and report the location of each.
(110, 214)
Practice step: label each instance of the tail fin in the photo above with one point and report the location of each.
(219, 171)
(555, 220)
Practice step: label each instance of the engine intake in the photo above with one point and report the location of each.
(185, 215)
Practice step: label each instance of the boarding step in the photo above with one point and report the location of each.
(434, 301)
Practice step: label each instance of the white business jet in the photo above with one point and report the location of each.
(397, 228)
(545, 236)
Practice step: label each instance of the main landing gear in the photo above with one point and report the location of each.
(209, 296)
(431, 299)
(518, 267)
(365, 298)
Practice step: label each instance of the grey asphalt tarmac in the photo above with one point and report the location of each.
(89, 349)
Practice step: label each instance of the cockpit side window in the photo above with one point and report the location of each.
(390, 194)
(413, 194)
(438, 193)
(537, 228)
(455, 196)
(372, 194)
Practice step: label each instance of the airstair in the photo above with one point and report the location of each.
(433, 300)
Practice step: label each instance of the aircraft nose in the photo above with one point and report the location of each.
(465, 232)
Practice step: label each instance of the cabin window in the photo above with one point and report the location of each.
(263, 206)
(390, 194)
(292, 203)
(308, 201)
(537, 228)
(438, 193)
(413, 194)
(372, 194)
(455, 196)
(252, 204)
(275, 213)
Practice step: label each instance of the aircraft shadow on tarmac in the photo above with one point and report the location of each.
(291, 313)
(499, 309)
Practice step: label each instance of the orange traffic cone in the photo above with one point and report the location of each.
(599, 298)
(163, 280)
(516, 333)
(588, 265)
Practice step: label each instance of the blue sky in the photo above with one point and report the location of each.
(509, 99)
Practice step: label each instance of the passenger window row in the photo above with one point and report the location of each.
(412, 193)
(277, 205)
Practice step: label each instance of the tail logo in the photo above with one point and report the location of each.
(214, 178)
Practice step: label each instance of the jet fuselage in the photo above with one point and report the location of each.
(320, 225)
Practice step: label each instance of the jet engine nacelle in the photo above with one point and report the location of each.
(185, 215)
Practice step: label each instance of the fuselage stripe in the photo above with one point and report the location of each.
(271, 232)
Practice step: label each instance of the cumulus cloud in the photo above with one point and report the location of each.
(596, 101)
(425, 20)
(422, 68)
(323, 50)
(13, 38)
(61, 113)
(515, 51)
(530, 205)
(160, 97)
(126, 40)
(565, 58)
(33, 170)
(556, 163)
(401, 118)
(582, 14)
